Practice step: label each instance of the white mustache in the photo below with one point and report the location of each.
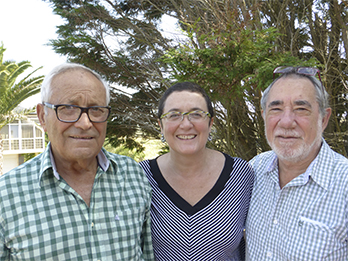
(287, 134)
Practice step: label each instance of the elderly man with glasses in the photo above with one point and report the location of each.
(299, 204)
(75, 201)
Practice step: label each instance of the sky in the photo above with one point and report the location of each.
(26, 26)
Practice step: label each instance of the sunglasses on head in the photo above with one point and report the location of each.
(309, 71)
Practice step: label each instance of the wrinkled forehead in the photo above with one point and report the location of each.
(73, 74)
(293, 88)
(76, 82)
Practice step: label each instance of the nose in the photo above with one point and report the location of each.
(187, 114)
(185, 120)
(84, 122)
(287, 119)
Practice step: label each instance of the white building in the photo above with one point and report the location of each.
(21, 137)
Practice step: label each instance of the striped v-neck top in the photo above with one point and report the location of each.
(210, 230)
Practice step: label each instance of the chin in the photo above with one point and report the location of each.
(85, 153)
(291, 157)
(295, 153)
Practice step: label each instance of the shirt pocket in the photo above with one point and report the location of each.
(309, 240)
(129, 224)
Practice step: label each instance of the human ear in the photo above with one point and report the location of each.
(326, 118)
(40, 111)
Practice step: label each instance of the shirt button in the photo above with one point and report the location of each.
(275, 222)
(269, 254)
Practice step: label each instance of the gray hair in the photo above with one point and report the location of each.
(321, 94)
(46, 84)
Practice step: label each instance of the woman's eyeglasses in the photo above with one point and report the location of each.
(310, 71)
(193, 116)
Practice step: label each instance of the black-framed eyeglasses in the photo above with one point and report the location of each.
(72, 113)
(310, 71)
(193, 116)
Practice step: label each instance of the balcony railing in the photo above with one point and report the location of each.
(23, 137)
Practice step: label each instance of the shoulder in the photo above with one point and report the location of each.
(331, 161)
(128, 173)
(240, 167)
(149, 167)
(27, 170)
(125, 166)
(145, 164)
(238, 162)
(21, 180)
(263, 160)
(339, 160)
(120, 160)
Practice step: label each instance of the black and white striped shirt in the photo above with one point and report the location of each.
(210, 230)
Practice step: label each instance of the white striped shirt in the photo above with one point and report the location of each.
(210, 230)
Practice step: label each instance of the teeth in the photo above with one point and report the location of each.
(186, 137)
(86, 138)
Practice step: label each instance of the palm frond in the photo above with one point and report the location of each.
(17, 70)
(14, 91)
(15, 115)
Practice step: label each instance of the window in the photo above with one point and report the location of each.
(4, 132)
(27, 131)
(23, 135)
(14, 130)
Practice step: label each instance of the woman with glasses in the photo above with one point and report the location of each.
(200, 196)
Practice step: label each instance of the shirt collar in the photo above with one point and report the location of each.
(321, 171)
(55, 172)
(49, 162)
(272, 163)
(316, 170)
(103, 161)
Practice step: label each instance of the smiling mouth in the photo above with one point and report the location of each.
(186, 137)
(288, 138)
(81, 138)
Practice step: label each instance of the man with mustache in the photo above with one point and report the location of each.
(299, 204)
(75, 201)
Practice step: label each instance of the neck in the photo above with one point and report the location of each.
(79, 175)
(290, 169)
(188, 164)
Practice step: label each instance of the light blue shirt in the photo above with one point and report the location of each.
(307, 219)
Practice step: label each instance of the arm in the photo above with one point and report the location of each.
(146, 239)
(4, 251)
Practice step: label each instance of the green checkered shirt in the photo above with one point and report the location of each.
(43, 218)
(307, 219)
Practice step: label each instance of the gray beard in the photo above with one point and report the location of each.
(300, 153)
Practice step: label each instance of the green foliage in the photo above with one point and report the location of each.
(29, 156)
(126, 51)
(152, 148)
(14, 91)
(233, 67)
(121, 150)
(229, 47)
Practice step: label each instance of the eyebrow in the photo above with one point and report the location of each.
(303, 103)
(298, 103)
(192, 109)
(275, 103)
